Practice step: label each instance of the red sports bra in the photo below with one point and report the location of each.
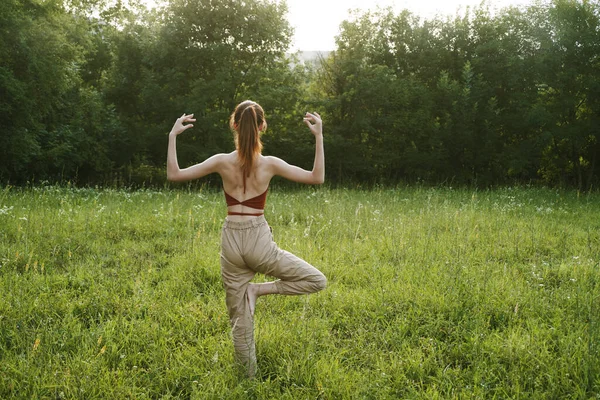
(257, 202)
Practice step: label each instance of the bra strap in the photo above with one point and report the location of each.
(241, 213)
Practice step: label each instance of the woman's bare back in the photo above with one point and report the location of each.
(233, 182)
(228, 166)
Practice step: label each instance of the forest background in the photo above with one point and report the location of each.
(90, 88)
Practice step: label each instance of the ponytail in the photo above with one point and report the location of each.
(245, 122)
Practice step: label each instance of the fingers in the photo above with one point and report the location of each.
(188, 118)
(179, 124)
(185, 117)
(315, 117)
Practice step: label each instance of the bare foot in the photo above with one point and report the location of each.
(252, 295)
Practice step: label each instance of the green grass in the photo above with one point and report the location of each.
(433, 293)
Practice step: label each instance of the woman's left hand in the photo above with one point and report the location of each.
(179, 126)
(314, 123)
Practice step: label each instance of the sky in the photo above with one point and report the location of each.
(316, 22)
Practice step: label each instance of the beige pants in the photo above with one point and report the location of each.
(247, 248)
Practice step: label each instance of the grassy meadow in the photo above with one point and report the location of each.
(433, 293)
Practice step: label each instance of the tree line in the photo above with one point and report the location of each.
(90, 88)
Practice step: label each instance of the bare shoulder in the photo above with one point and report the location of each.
(277, 166)
(273, 162)
(218, 160)
(216, 163)
(225, 161)
(228, 157)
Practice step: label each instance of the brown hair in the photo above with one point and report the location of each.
(245, 122)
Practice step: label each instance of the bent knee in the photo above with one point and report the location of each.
(319, 283)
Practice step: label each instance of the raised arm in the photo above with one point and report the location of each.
(174, 173)
(297, 174)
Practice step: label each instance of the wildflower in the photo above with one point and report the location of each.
(6, 210)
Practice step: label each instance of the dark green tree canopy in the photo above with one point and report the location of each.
(89, 88)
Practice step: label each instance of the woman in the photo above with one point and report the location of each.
(247, 245)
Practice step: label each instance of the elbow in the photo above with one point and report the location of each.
(318, 180)
(172, 177)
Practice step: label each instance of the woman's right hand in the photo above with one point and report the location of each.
(314, 123)
(179, 127)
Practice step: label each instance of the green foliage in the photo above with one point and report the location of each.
(433, 293)
(201, 57)
(55, 125)
(482, 98)
(97, 85)
(89, 88)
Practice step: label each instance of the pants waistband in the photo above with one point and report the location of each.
(251, 223)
